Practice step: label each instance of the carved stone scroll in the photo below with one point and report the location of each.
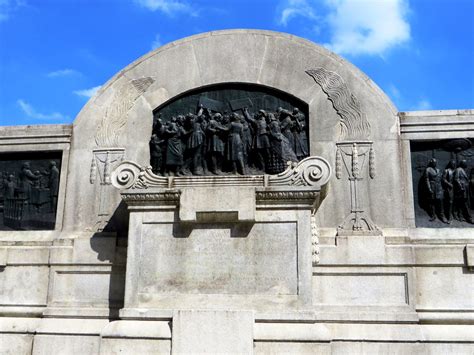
(312, 171)
(308, 172)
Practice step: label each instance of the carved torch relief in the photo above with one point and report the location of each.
(352, 150)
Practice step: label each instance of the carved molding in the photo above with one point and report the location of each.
(161, 198)
(287, 195)
(354, 123)
(115, 117)
(312, 172)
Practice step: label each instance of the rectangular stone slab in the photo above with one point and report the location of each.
(258, 258)
(212, 332)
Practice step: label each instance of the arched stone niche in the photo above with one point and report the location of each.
(118, 119)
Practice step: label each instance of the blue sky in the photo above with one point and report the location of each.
(54, 54)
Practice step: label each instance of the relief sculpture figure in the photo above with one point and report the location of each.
(461, 191)
(215, 144)
(448, 182)
(261, 142)
(235, 151)
(27, 177)
(301, 140)
(194, 144)
(53, 185)
(174, 149)
(433, 178)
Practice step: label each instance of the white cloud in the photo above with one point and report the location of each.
(294, 8)
(394, 92)
(169, 7)
(87, 92)
(9, 6)
(63, 72)
(355, 27)
(156, 42)
(367, 26)
(423, 105)
(31, 112)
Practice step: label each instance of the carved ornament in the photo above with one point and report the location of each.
(312, 172)
(115, 117)
(354, 123)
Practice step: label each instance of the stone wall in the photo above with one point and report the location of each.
(278, 275)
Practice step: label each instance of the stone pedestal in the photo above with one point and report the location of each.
(218, 261)
(206, 252)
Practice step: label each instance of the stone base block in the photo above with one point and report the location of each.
(16, 344)
(135, 346)
(212, 332)
(65, 344)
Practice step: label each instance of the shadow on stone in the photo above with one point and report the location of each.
(237, 230)
(111, 246)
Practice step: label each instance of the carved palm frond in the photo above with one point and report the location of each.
(115, 117)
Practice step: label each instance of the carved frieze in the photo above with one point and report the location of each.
(229, 129)
(160, 198)
(29, 189)
(443, 182)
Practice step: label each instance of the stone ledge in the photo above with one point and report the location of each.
(363, 332)
(71, 326)
(424, 125)
(433, 316)
(137, 330)
(21, 311)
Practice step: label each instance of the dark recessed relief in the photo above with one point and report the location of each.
(443, 182)
(229, 129)
(29, 185)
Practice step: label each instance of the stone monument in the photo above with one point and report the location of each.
(264, 199)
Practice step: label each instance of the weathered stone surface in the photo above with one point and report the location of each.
(65, 344)
(206, 259)
(259, 259)
(211, 332)
(134, 346)
(16, 344)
